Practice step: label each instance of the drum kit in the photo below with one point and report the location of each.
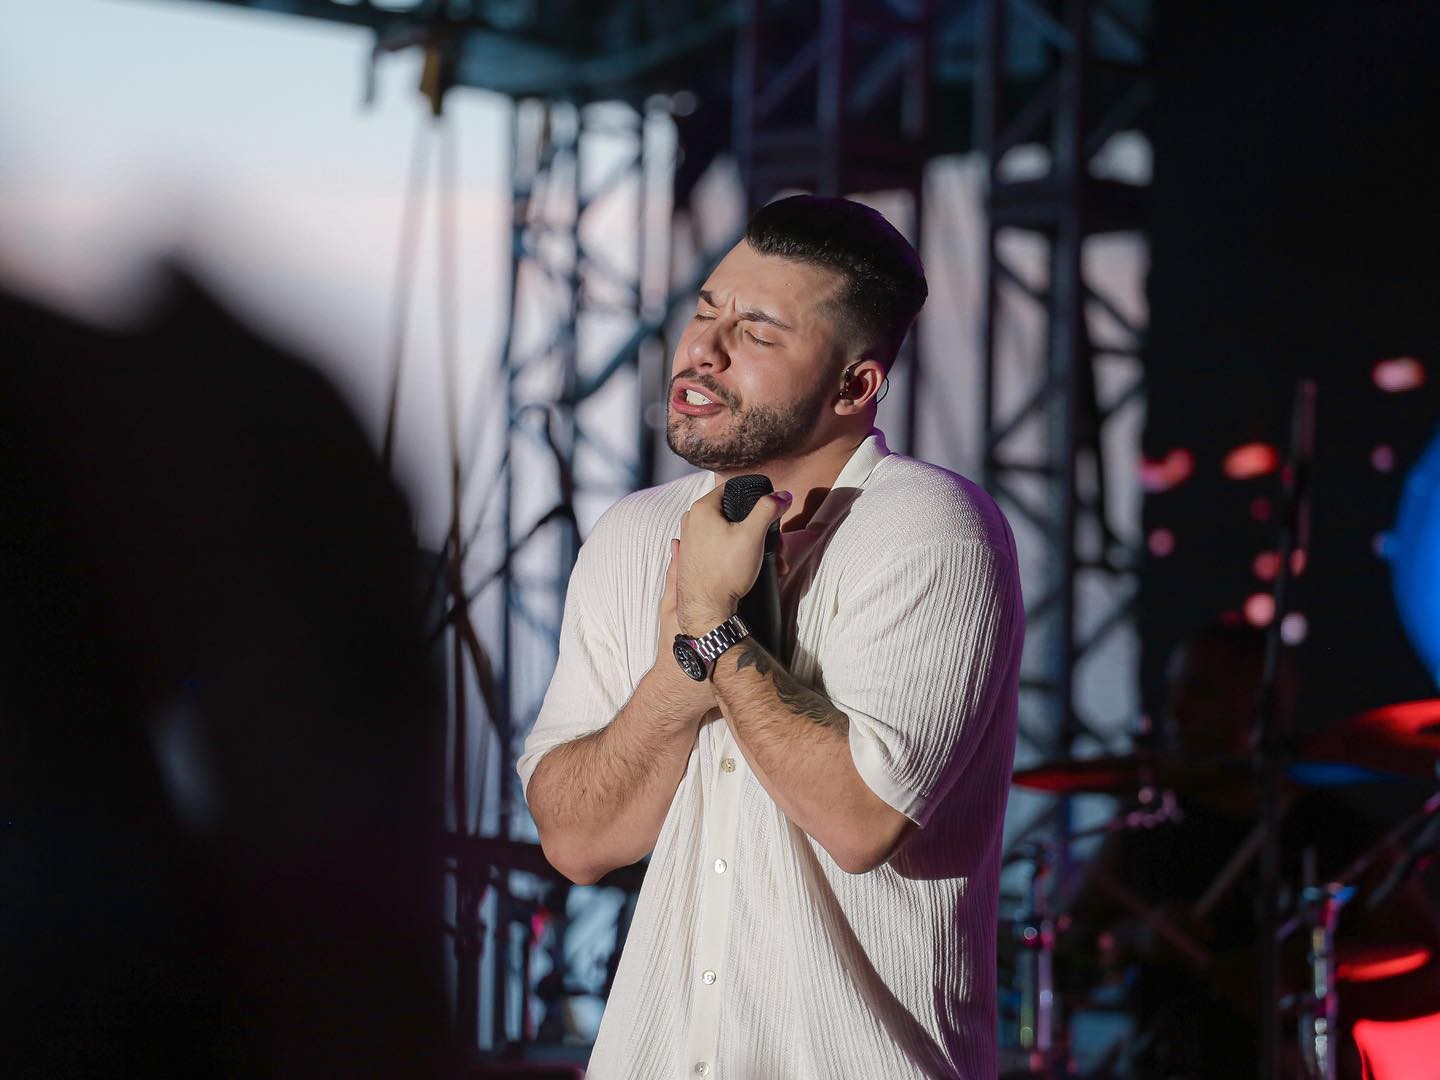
(1039, 941)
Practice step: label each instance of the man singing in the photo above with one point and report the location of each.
(824, 826)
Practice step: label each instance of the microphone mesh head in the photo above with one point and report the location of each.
(742, 493)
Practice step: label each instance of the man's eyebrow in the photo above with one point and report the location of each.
(749, 316)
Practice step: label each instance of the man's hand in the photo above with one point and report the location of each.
(699, 696)
(600, 800)
(719, 560)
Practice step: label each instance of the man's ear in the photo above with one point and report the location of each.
(860, 385)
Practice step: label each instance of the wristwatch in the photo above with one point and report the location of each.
(696, 656)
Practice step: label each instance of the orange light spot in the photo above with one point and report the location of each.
(1267, 565)
(1165, 473)
(1259, 609)
(1399, 374)
(1250, 460)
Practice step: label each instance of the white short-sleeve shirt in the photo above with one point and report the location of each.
(752, 956)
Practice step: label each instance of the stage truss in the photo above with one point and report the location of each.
(609, 241)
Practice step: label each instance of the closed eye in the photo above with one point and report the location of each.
(758, 341)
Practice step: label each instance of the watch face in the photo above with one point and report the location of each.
(688, 659)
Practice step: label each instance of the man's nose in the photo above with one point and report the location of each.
(707, 348)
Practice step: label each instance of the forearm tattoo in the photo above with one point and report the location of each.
(800, 700)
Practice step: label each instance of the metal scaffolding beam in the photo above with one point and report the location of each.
(1044, 452)
(1058, 79)
(583, 355)
(834, 97)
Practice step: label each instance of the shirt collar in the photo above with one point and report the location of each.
(854, 475)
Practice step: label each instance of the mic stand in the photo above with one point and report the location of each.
(1319, 1026)
(1037, 990)
(1320, 907)
(1271, 737)
(1422, 844)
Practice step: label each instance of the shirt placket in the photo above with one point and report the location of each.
(718, 872)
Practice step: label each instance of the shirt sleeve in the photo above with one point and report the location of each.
(589, 686)
(919, 655)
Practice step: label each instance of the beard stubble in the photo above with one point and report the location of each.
(756, 435)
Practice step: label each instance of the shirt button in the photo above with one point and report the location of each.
(728, 765)
(720, 865)
(702, 1068)
(708, 978)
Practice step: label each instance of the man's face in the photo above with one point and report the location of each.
(757, 369)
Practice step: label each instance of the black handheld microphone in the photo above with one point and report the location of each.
(760, 607)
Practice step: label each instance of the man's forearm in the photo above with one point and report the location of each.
(798, 744)
(599, 801)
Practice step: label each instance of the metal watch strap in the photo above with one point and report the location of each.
(711, 645)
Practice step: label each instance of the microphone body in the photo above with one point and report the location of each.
(760, 607)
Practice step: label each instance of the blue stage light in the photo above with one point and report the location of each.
(1413, 548)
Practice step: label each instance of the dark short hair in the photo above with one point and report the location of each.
(884, 282)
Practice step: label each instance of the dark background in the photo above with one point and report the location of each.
(1295, 232)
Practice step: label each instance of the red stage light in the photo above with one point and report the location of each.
(1398, 1049)
(1370, 963)
(1267, 564)
(1402, 738)
(1168, 472)
(1259, 609)
(1399, 374)
(1382, 458)
(1418, 718)
(1078, 777)
(1250, 460)
(1161, 542)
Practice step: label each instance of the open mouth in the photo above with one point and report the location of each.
(692, 401)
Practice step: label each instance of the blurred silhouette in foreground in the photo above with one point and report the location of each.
(219, 738)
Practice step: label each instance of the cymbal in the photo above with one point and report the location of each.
(1350, 759)
(1403, 739)
(1126, 773)
(1102, 775)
